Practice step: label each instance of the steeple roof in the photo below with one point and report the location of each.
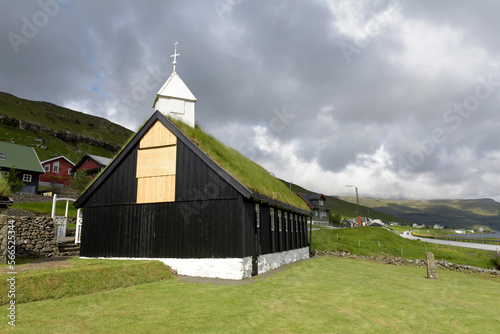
(176, 88)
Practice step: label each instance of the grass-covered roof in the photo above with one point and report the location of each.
(247, 172)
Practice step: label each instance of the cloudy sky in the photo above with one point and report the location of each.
(399, 98)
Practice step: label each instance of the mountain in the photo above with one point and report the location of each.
(53, 130)
(455, 213)
(347, 209)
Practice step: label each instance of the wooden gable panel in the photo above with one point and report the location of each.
(158, 135)
(156, 165)
(156, 161)
(156, 189)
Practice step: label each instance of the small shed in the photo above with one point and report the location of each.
(176, 194)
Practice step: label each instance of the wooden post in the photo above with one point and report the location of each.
(54, 201)
(67, 206)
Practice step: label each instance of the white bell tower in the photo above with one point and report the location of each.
(174, 98)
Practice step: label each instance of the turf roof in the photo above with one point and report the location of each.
(247, 172)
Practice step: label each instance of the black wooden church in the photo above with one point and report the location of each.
(166, 197)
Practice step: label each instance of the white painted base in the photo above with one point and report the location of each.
(272, 261)
(234, 268)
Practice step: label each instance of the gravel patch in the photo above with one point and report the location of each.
(41, 264)
(30, 198)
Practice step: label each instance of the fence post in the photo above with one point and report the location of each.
(378, 244)
(402, 251)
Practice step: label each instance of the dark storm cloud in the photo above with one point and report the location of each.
(360, 91)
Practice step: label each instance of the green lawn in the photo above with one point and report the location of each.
(324, 295)
(84, 277)
(46, 208)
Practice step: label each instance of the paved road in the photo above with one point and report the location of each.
(495, 248)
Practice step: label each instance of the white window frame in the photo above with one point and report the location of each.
(280, 224)
(27, 177)
(271, 213)
(55, 167)
(257, 215)
(285, 215)
(320, 202)
(46, 168)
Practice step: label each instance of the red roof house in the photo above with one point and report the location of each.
(91, 164)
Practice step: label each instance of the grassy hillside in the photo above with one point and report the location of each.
(373, 241)
(54, 130)
(347, 209)
(453, 213)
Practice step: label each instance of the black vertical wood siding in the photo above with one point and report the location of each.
(164, 230)
(209, 219)
(120, 187)
(195, 180)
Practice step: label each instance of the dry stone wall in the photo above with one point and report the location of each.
(34, 237)
(398, 261)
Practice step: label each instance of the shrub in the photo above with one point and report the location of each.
(335, 219)
(80, 182)
(496, 262)
(4, 186)
(15, 182)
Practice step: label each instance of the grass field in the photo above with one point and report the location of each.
(324, 295)
(46, 208)
(85, 276)
(374, 240)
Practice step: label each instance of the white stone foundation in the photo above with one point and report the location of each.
(274, 260)
(234, 268)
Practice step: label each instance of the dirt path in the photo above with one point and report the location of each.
(40, 264)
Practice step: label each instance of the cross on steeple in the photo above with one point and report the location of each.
(175, 54)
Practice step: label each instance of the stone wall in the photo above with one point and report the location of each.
(398, 261)
(35, 237)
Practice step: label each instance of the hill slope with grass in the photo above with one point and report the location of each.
(455, 213)
(345, 208)
(53, 130)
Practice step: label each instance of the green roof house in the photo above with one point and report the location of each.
(25, 160)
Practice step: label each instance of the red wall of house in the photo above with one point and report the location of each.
(88, 165)
(61, 177)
